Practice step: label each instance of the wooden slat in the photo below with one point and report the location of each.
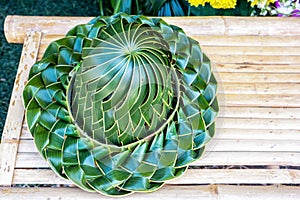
(260, 100)
(265, 124)
(212, 192)
(211, 158)
(239, 176)
(254, 59)
(192, 176)
(259, 26)
(257, 134)
(25, 135)
(229, 77)
(34, 160)
(258, 192)
(244, 40)
(15, 114)
(27, 146)
(258, 68)
(30, 160)
(262, 88)
(37, 176)
(252, 50)
(259, 113)
(16, 26)
(254, 145)
(167, 192)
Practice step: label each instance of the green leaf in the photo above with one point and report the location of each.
(41, 137)
(55, 158)
(70, 152)
(140, 184)
(76, 174)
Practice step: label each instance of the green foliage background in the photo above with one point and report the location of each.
(10, 53)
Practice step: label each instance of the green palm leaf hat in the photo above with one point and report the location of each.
(121, 104)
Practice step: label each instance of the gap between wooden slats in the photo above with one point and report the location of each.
(210, 158)
(192, 176)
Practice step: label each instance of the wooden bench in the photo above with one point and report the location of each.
(256, 151)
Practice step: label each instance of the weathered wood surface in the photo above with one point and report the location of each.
(15, 115)
(15, 27)
(192, 176)
(212, 192)
(257, 64)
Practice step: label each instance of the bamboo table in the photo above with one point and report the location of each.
(256, 151)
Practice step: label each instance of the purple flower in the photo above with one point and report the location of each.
(277, 4)
(296, 13)
(287, 8)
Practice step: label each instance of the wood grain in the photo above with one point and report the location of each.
(211, 192)
(16, 26)
(192, 176)
(15, 114)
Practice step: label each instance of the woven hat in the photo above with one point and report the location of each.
(121, 104)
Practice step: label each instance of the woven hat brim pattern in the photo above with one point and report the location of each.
(145, 164)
